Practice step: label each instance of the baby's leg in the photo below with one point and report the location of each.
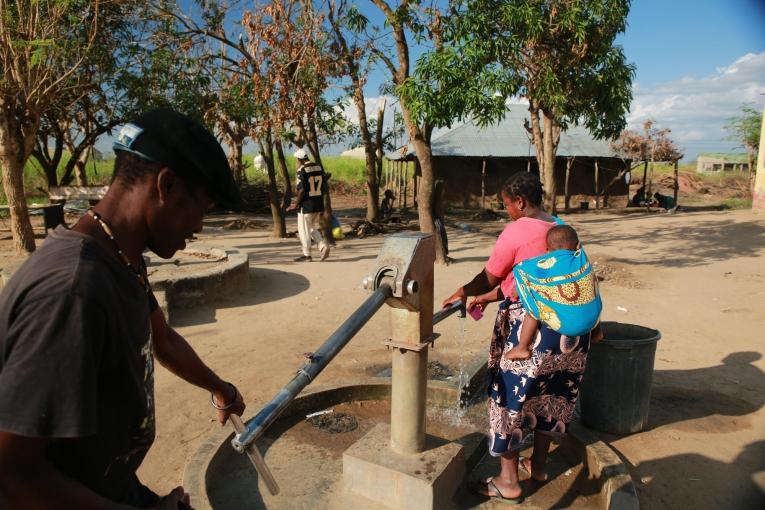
(519, 352)
(526, 338)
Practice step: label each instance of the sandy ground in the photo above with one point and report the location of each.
(697, 277)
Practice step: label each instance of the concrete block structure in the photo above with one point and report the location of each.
(421, 481)
(722, 162)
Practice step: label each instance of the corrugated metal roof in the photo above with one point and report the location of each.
(509, 139)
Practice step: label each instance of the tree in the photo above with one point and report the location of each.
(423, 25)
(74, 125)
(558, 54)
(76, 118)
(289, 39)
(241, 106)
(353, 52)
(745, 129)
(648, 147)
(42, 46)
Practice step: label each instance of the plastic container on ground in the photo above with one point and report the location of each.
(616, 389)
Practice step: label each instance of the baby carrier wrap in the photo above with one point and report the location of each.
(560, 289)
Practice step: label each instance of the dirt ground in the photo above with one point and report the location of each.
(697, 277)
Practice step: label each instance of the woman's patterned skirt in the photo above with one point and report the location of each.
(538, 394)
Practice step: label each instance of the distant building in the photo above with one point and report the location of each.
(259, 163)
(722, 162)
(474, 161)
(355, 153)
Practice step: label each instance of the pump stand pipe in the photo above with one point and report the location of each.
(308, 372)
(448, 310)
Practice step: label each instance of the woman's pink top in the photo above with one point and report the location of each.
(522, 239)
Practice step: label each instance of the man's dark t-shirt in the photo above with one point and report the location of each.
(76, 363)
(311, 179)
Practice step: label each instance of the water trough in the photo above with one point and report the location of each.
(407, 443)
(197, 275)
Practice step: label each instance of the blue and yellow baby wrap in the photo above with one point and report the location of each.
(560, 289)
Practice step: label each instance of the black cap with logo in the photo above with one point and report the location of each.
(185, 146)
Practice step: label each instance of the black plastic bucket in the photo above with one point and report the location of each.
(616, 389)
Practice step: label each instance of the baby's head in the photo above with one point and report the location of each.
(562, 237)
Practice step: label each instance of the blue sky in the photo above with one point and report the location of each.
(671, 39)
(697, 61)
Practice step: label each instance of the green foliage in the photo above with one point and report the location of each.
(348, 170)
(746, 127)
(354, 20)
(111, 84)
(98, 173)
(667, 169)
(738, 203)
(558, 53)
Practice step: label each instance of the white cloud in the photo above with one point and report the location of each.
(696, 109)
(371, 105)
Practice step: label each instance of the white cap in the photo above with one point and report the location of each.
(300, 154)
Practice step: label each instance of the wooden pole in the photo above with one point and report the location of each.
(406, 179)
(597, 195)
(567, 198)
(392, 183)
(483, 185)
(397, 183)
(384, 182)
(399, 186)
(645, 172)
(415, 202)
(677, 184)
(401, 180)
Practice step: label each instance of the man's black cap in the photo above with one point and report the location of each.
(185, 146)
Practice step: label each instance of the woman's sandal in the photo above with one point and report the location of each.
(525, 464)
(484, 487)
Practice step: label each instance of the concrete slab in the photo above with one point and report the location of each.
(197, 275)
(423, 481)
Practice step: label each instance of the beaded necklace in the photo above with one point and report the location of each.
(142, 278)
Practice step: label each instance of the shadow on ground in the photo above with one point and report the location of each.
(265, 285)
(722, 395)
(705, 243)
(703, 482)
(711, 400)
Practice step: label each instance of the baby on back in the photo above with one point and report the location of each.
(559, 289)
(562, 237)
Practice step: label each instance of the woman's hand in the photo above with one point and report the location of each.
(485, 299)
(457, 296)
(596, 335)
(479, 301)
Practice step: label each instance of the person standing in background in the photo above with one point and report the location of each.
(311, 187)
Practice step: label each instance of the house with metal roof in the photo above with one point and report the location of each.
(473, 161)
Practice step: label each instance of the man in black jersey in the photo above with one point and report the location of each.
(80, 328)
(311, 187)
